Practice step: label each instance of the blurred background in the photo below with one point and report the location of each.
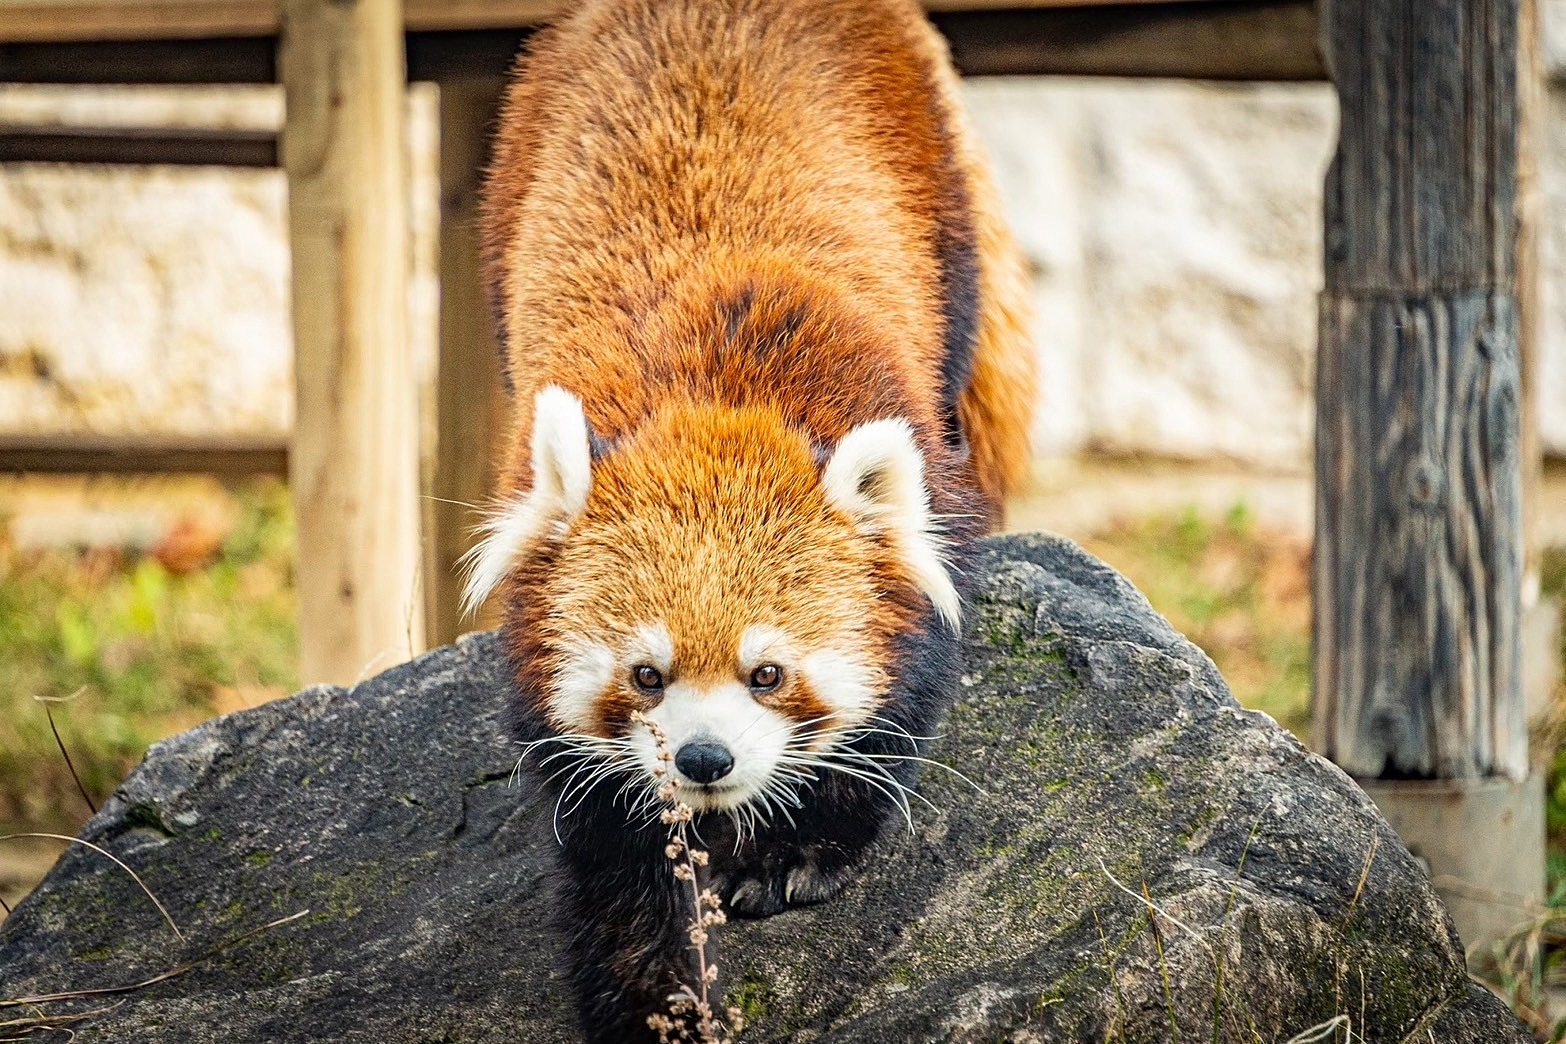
(1174, 236)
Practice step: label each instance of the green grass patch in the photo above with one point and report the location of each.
(136, 651)
(1239, 590)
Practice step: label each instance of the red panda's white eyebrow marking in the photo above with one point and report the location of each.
(585, 670)
(876, 477)
(650, 643)
(758, 642)
(844, 682)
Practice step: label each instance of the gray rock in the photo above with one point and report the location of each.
(1118, 774)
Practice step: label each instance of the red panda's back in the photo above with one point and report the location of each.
(656, 156)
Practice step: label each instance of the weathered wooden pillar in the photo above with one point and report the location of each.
(354, 460)
(467, 381)
(1541, 666)
(1418, 551)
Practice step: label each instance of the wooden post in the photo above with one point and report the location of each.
(1418, 553)
(1418, 524)
(1540, 613)
(460, 467)
(354, 460)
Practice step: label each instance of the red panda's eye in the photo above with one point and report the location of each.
(767, 676)
(647, 678)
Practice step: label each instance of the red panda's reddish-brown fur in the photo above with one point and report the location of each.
(778, 116)
(765, 337)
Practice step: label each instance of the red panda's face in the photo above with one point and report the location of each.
(711, 576)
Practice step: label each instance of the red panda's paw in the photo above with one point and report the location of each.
(762, 891)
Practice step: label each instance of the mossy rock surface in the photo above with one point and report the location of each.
(1117, 772)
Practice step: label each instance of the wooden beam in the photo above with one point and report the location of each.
(140, 455)
(38, 21)
(1195, 39)
(251, 59)
(178, 146)
(1256, 40)
(1418, 530)
(355, 464)
(1532, 115)
(459, 470)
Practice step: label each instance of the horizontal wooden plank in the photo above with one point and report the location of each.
(1254, 40)
(131, 455)
(38, 21)
(228, 59)
(1235, 40)
(134, 145)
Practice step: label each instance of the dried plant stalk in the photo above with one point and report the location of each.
(690, 1003)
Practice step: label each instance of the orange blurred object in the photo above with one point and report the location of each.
(192, 542)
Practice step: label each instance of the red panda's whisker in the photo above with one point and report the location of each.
(582, 760)
(779, 792)
(576, 768)
(856, 734)
(898, 795)
(629, 787)
(920, 761)
(597, 771)
(575, 743)
(834, 759)
(862, 762)
(742, 817)
(596, 775)
(787, 726)
(784, 780)
(763, 805)
(900, 730)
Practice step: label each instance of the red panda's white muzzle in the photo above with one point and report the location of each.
(728, 748)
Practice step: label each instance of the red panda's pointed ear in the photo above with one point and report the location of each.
(562, 478)
(876, 477)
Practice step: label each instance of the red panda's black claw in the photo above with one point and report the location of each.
(759, 892)
(756, 897)
(811, 883)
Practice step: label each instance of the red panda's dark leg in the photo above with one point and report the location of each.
(624, 918)
(807, 863)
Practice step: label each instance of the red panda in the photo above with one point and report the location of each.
(765, 338)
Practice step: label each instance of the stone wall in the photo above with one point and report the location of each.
(143, 299)
(1174, 232)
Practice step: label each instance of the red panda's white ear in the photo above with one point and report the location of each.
(876, 477)
(562, 478)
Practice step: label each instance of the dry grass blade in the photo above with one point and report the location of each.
(1364, 871)
(26, 1028)
(1163, 963)
(81, 788)
(172, 973)
(1146, 900)
(1323, 1030)
(692, 1016)
(1114, 978)
(109, 855)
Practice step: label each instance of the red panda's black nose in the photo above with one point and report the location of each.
(704, 761)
